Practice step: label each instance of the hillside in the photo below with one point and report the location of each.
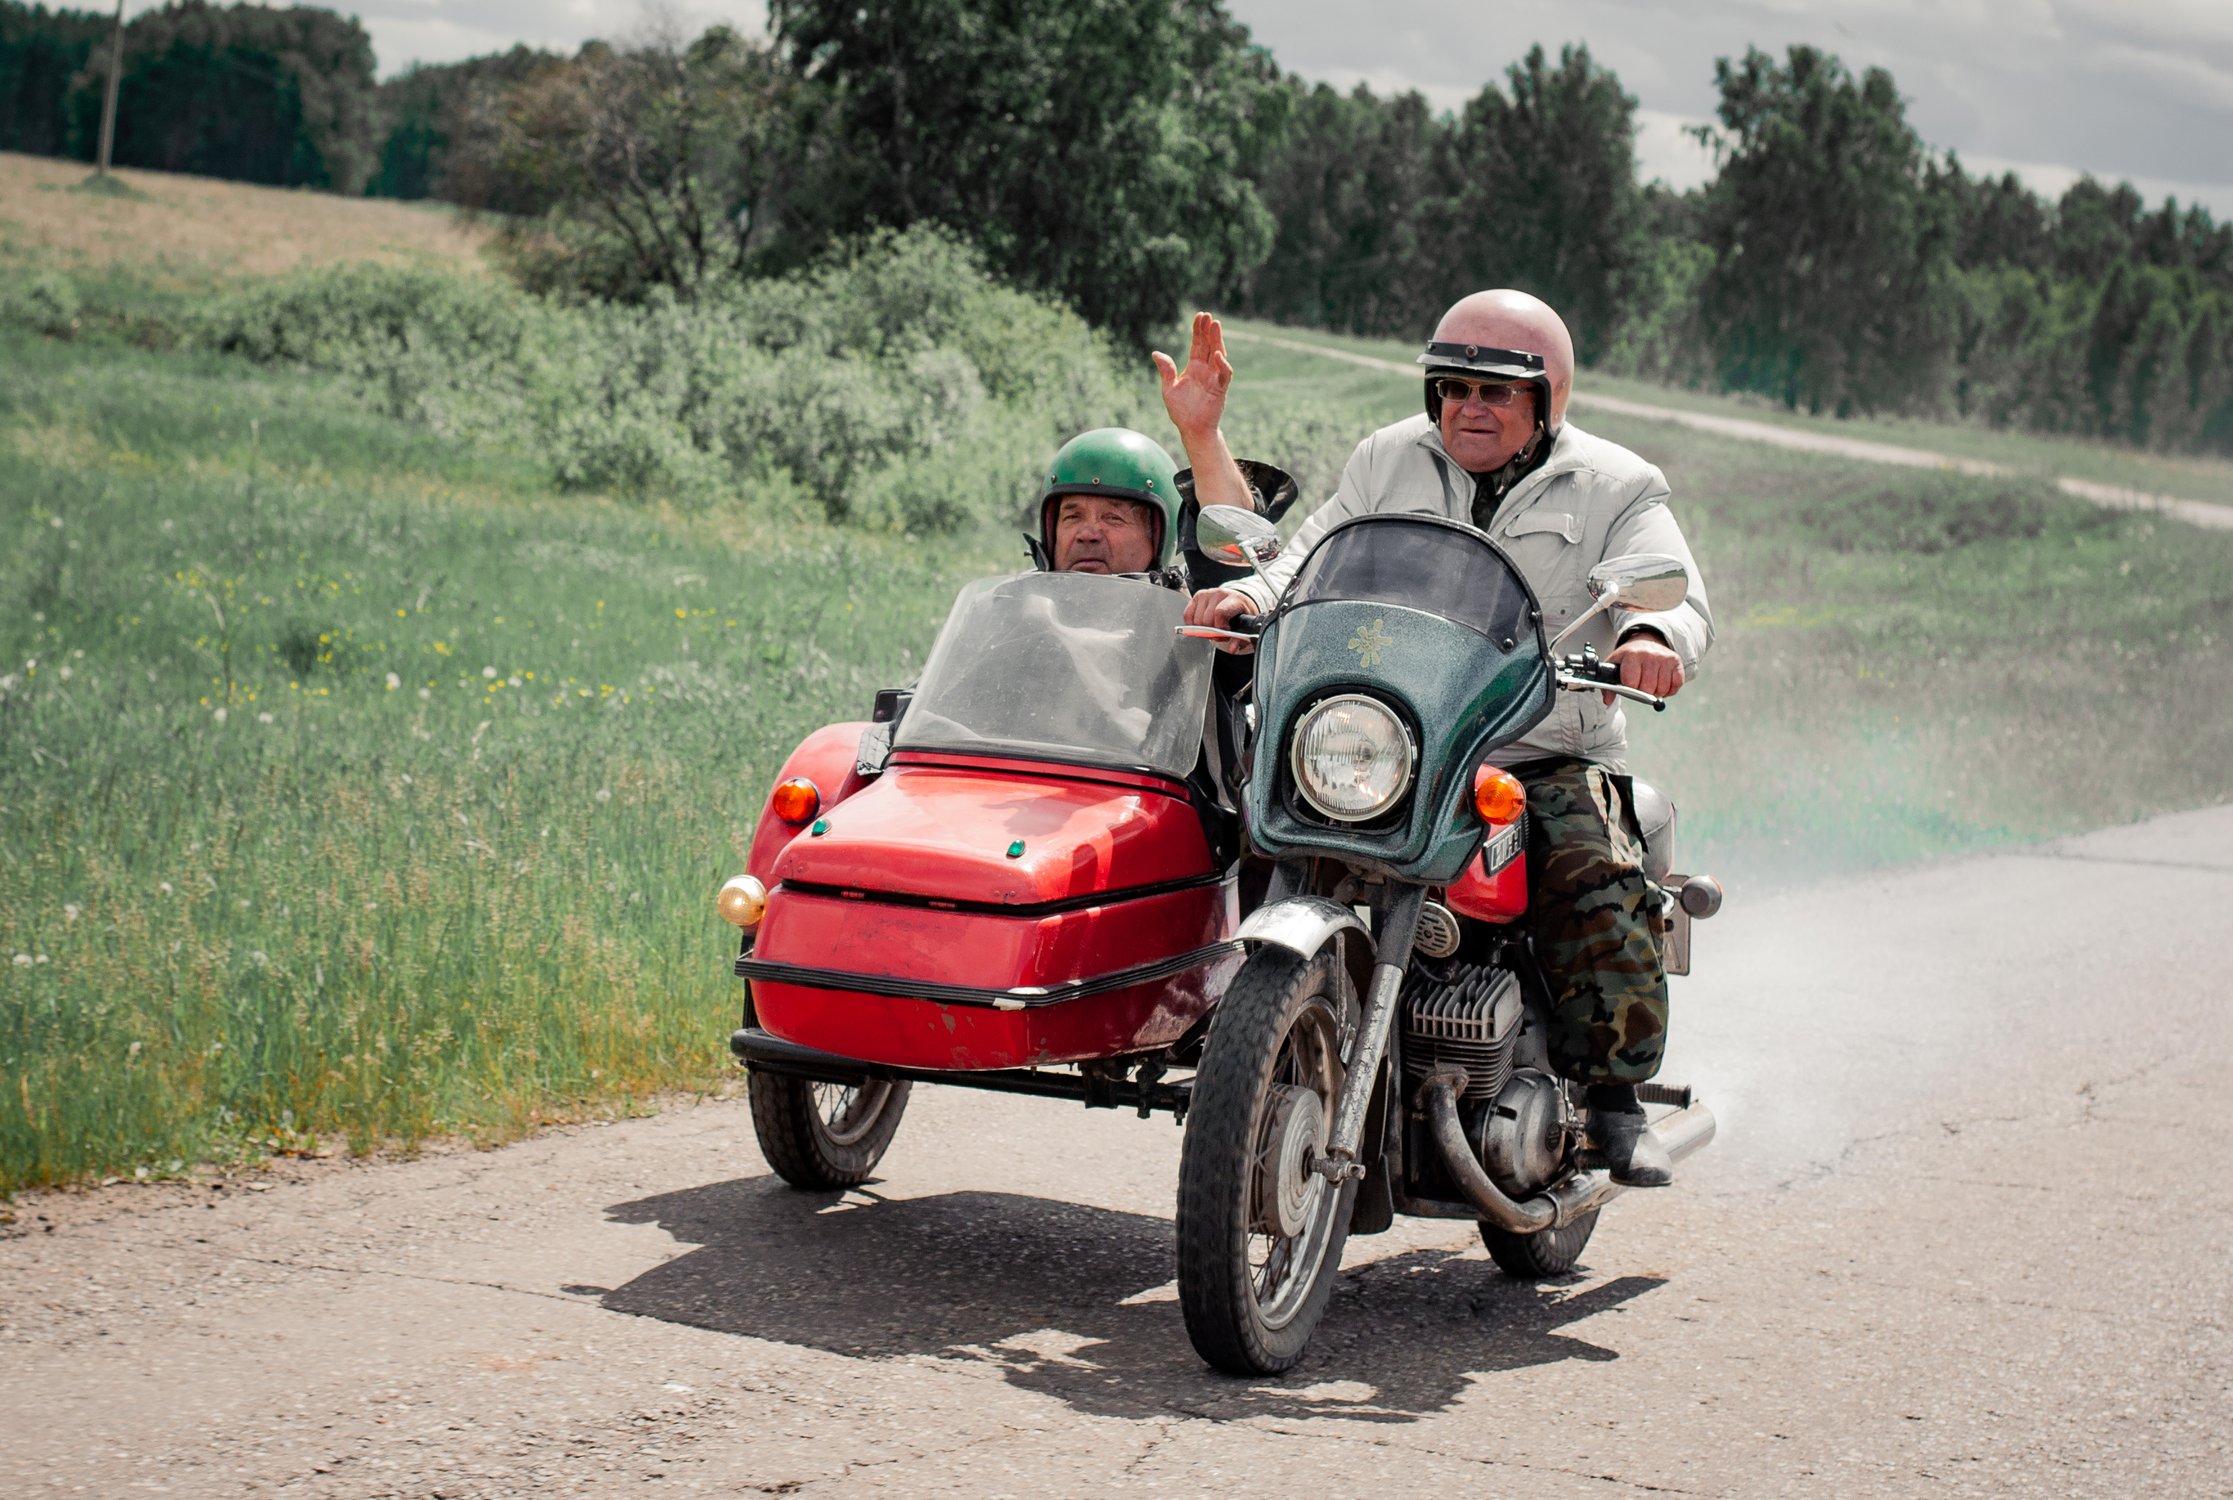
(188, 231)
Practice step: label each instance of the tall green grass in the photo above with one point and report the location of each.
(352, 787)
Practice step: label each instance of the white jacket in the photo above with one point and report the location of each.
(1590, 500)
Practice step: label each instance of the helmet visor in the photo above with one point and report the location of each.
(1481, 359)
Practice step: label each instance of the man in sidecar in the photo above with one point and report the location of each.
(1493, 449)
(1115, 503)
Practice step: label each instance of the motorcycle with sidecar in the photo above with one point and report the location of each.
(1021, 876)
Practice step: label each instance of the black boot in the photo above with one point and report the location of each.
(1619, 1126)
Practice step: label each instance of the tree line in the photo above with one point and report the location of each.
(1131, 156)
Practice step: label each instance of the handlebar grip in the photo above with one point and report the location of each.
(1605, 671)
(1247, 624)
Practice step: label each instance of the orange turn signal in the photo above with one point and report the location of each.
(1498, 796)
(796, 800)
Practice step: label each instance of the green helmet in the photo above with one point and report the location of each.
(1120, 462)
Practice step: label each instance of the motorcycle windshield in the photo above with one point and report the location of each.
(1070, 667)
(1425, 563)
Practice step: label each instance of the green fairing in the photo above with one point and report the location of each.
(1464, 695)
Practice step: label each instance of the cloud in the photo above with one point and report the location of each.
(436, 31)
(1667, 153)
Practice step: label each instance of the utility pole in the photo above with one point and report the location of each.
(108, 105)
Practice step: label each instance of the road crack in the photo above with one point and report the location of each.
(2079, 857)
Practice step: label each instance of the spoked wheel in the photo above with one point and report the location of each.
(823, 1135)
(1532, 1257)
(1259, 1233)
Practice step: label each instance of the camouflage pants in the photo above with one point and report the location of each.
(1594, 922)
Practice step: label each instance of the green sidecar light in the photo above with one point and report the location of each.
(1015, 850)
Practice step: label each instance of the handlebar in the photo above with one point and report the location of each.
(1584, 672)
(1590, 669)
(1598, 684)
(1244, 628)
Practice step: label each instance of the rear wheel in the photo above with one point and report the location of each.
(1260, 1234)
(823, 1135)
(1532, 1257)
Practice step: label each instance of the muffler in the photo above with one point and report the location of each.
(1682, 1133)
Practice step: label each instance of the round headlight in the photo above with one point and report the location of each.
(743, 901)
(1351, 757)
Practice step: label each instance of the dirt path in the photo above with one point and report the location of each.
(2193, 512)
(1964, 1234)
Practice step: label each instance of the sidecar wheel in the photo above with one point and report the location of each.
(819, 1136)
(1533, 1257)
(1259, 1235)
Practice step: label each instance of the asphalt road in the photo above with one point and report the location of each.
(1965, 1232)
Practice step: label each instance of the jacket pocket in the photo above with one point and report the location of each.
(1553, 522)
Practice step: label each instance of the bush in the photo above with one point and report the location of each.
(895, 385)
(44, 302)
(461, 353)
(1942, 512)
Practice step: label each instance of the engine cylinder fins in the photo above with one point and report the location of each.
(1472, 1019)
(1438, 931)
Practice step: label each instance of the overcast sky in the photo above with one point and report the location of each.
(2139, 89)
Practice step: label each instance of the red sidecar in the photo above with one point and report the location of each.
(1014, 879)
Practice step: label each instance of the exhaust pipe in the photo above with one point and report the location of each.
(1682, 1133)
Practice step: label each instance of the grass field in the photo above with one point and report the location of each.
(351, 788)
(354, 787)
(190, 232)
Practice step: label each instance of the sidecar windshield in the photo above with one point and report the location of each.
(1426, 563)
(1070, 667)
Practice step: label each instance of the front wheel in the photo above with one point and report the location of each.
(819, 1136)
(1259, 1233)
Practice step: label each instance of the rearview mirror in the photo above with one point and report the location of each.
(1235, 536)
(1648, 581)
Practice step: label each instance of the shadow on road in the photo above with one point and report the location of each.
(1078, 1302)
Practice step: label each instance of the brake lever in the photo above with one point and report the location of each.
(1211, 633)
(1573, 684)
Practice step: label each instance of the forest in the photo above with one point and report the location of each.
(1835, 262)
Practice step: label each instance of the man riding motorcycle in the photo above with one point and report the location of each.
(1493, 449)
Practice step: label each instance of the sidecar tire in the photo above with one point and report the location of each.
(1536, 1257)
(800, 1141)
(1275, 996)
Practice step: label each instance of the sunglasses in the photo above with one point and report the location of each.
(1500, 393)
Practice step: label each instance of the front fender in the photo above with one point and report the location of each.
(1301, 924)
